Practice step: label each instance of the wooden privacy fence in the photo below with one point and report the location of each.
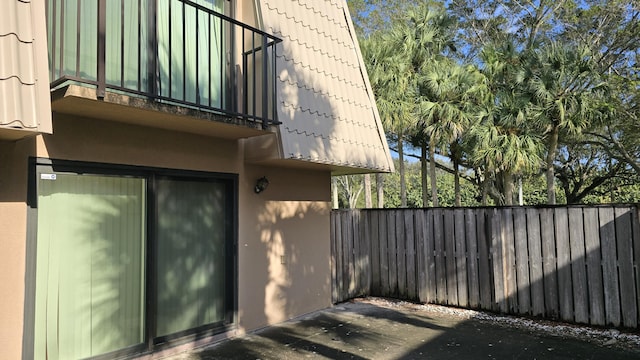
(578, 264)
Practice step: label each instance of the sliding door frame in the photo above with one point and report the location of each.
(151, 342)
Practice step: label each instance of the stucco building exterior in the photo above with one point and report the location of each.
(132, 138)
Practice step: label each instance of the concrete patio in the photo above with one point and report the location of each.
(387, 329)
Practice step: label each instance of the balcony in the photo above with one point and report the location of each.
(165, 63)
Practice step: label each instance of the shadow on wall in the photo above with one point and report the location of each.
(326, 113)
(296, 250)
(14, 169)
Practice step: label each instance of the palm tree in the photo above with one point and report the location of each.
(506, 143)
(453, 93)
(426, 34)
(394, 59)
(393, 82)
(561, 80)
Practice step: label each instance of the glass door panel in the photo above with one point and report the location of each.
(191, 254)
(90, 265)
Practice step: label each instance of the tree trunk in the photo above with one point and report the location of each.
(334, 192)
(485, 192)
(380, 189)
(508, 188)
(367, 191)
(403, 184)
(424, 174)
(520, 195)
(550, 173)
(456, 182)
(432, 172)
(485, 188)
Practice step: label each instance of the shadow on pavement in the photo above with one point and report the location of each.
(380, 329)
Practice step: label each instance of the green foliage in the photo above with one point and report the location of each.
(392, 187)
(371, 16)
(446, 196)
(544, 91)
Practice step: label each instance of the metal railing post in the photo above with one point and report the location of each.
(102, 31)
(265, 83)
(152, 49)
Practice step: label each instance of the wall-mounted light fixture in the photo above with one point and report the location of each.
(261, 185)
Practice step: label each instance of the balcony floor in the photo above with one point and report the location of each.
(82, 101)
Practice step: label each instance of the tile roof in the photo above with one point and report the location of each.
(326, 107)
(24, 83)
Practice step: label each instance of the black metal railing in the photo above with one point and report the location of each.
(173, 51)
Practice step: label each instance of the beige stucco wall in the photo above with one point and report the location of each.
(13, 231)
(284, 246)
(283, 233)
(113, 142)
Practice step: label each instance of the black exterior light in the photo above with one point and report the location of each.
(261, 185)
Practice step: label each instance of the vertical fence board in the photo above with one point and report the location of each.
(535, 262)
(500, 302)
(365, 253)
(401, 253)
(449, 247)
(375, 252)
(509, 261)
(472, 257)
(636, 256)
(609, 268)
(522, 260)
(344, 255)
(441, 273)
(354, 254)
(357, 253)
(334, 238)
(338, 258)
(349, 251)
(383, 223)
(411, 254)
(564, 264)
(625, 266)
(484, 261)
(392, 250)
(421, 266)
(578, 266)
(461, 260)
(549, 263)
(429, 253)
(594, 266)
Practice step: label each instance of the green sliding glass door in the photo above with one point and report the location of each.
(90, 265)
(104, 284)
(191, 254)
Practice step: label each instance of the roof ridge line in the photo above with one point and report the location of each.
(18, 78)
(325, 93)
(317, 71)
(315, 49)
(326, 116)
(17, 37)
(336, 22)
(329, 137)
